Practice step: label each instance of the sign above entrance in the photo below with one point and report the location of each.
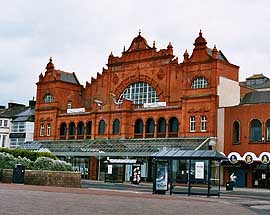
(249, 157)
(265, 157)
(234, 157)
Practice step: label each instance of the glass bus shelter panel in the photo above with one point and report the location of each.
(199, 177)
(215, 178)
(180, 176)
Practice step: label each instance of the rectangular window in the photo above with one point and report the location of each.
(41, 133)
(49, 130)
(69, 105)
(5, 123)
(192, 123)
(4, 137)
(0, 123)
(203, 123)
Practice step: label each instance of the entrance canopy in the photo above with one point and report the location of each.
(176, 154)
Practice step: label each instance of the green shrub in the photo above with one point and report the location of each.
(8, 161)
(28, 154)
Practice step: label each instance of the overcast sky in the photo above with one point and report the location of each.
(80, 34)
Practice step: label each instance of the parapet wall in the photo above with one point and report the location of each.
(46, 178)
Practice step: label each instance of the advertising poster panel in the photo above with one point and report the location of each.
(162, 176)
(199, 170)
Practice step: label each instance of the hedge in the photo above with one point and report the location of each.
(28, 154)
(8, 161)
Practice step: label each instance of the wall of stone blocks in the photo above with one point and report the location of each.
(46, 178)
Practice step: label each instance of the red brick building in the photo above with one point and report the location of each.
(144, 94)
(247, 135)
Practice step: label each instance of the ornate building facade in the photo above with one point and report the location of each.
(143, 95)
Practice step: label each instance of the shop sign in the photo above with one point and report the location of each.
(265, 159)
(249, 159)
(233, 159)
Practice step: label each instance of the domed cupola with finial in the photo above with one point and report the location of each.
(200, 41)
(139, 43)
(50, 65)
(200, 51)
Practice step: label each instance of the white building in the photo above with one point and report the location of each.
(6, 116)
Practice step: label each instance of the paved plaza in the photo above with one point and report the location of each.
(33, 200)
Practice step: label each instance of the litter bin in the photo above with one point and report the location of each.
(18, 174)
(229, 185)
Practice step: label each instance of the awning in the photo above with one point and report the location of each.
(116, 147)
(189, 154)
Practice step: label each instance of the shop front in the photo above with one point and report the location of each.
(250, 170)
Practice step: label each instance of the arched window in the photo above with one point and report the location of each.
(199, 83)
(138, 129)
(149, 128)
(116, 126)
(48, 98)
(88, 129)
(63, 131)
(236, 132)
(161, 127)
(173, 127)
(255, 131)
(268, 130)
(71, 131)
(80, 130)
(42, 128)
(49, 129)
(140, 93)
(101, 127)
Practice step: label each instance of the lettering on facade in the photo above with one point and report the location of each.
(249, 159)
(233, 159)
(265, 159)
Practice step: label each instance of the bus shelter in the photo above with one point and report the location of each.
(187, 172)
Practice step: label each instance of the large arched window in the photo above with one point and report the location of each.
(88, 130)
(173, 127)
(63, 131)
(255, 131)
(80, 130)
(199, 83)
(149, 128)
(138, 129)
(161, 127)
(236, 132)
(71, 131)
(101, 127)
(48, 98)
(140, 93)
(116, 126)
(268, 130)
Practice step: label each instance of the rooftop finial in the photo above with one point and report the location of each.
(124, 49)
(139, 31)
(200, 34)
(50, 59)
(154, 44)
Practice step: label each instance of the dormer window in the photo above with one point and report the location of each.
(48, 98)
(199, 83)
